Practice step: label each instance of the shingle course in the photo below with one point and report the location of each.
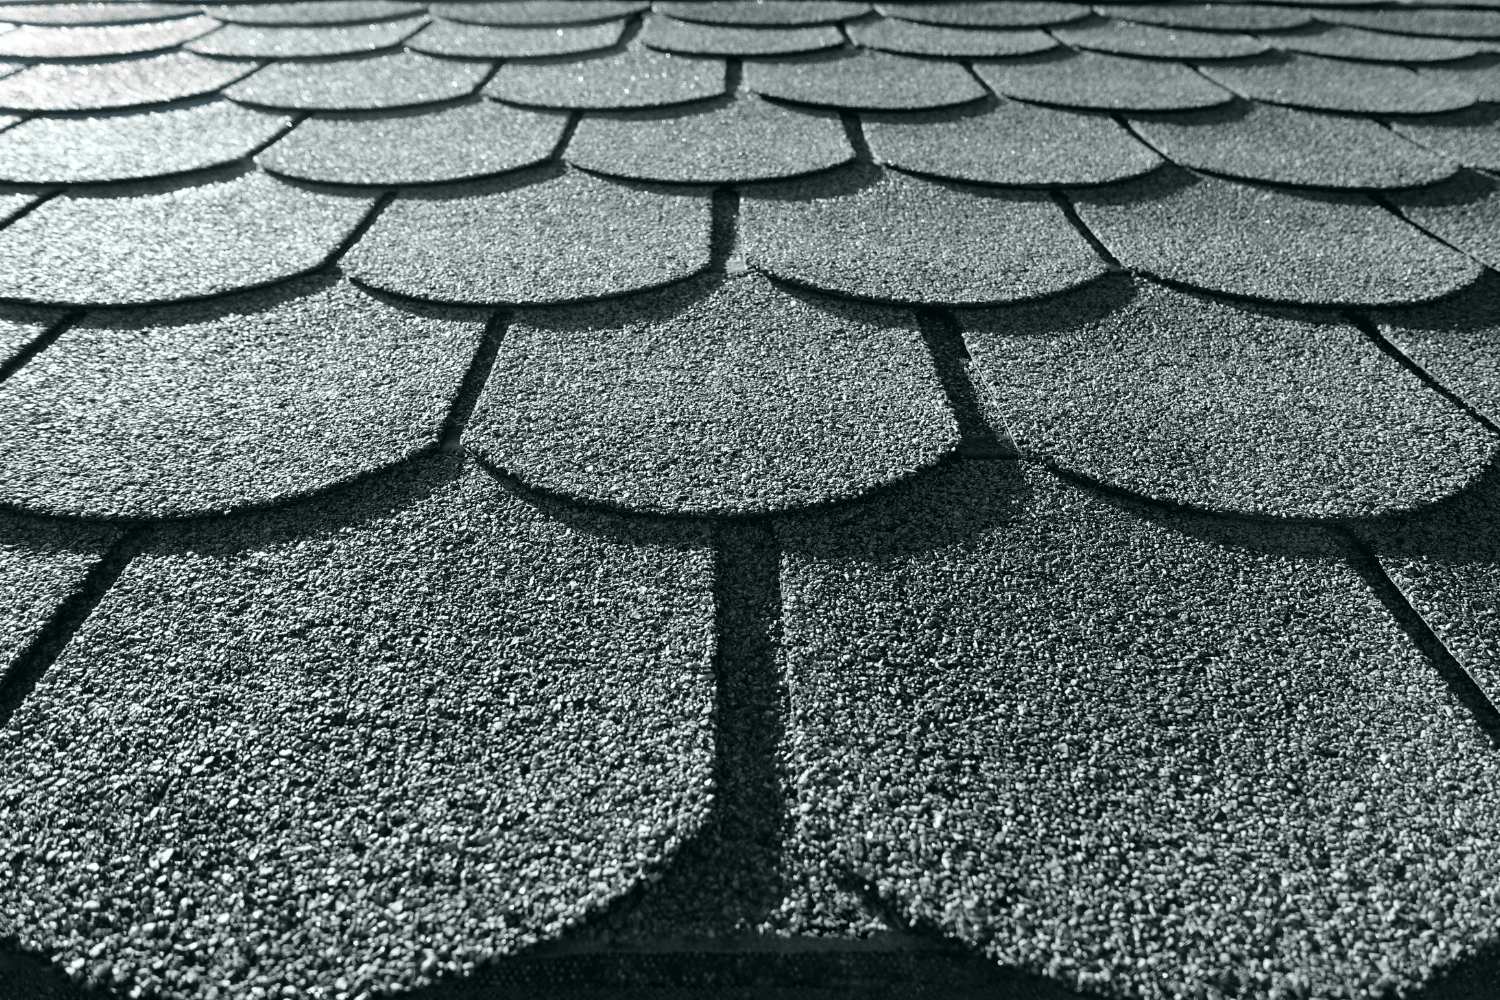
(396, 80)
(101, 86)
(636, 78)
(246, 41)
(46, 42)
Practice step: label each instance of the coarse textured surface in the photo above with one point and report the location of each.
(1009, 14)
(764, 13)
(133, 145)
(1375, 46)
(746, 140)
(47, 42)
(713, 397)
(559, 240)
(694, 38)
(1108, 744)
(1439, 23)
(1127, 39)
(12, 203)
(253, 41)
(208, 408)
(1110, 83)
(1457, 341)
(98, 86)
(453, 38)
(493, 763)
(1463, 212)
(1264, 142)
(116, 248)
(1193, 401)
(1007, 142)
(416, 147)
(42, 564)
(873, 234)
(19, 326)
(1211, 16)
(94, 13)
(1471, 136)
(867, 81)
(522, 12)
(915, 38)
(637, 78)
(397, 80)
(1271, 244)
(1321, 84)
(313, 11)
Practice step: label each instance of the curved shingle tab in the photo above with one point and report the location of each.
(535, 12)
(763, 13)
(1019, 14)
(95, 13)
(692, 38)
(1211, 16)
(709, 399)
(254, 41)
(125, 83)
(1373, 46)
(1479, 75)
(1150, 41)
(863, 81)
(483, 41)
(47, 42)
(637, 78)
(1108, 83)
(1427, 21)
(891, 34)
(312, 13)
(398, 80)
(1320, 84)
(1470, 137)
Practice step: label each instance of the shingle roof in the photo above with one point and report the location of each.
(775, 498)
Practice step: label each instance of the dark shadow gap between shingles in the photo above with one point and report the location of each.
(358, 232)
(1387, 347)
(950, 357)
(855, 133)
(39, 343)
(27, 209)
(473, 383)
(724, 232)
(1076, 222)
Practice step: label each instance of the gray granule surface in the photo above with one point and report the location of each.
(862, 80)
(42, 564)
(133, 145)
(1456, 341)
(715, 397)
(251, 41)
(1127, 39)
(1010, 143)
(404, 732)
(1464, 212)
(897, 238)
(892, 34)
(47, 42)
(20, 325)
(207, 408)
(1109, 83)
(561, 240)
(321, 12)
(402, 79)
(137, 245)
(746, 140)
(1373, 46)
(453, 38)
(94, 13)
(419, 147)
(693, 38)
(764, 13)
(1271, 244)
(1479, 76)
(127, 83)
(13, 202)
(1438, 23)
(638, 78)
(1193, 401)
(1212, 16)
(1145, 755)
(1303, 81)
(1471, 136)
(1010, 14)
(1265, 142)
(524, 12)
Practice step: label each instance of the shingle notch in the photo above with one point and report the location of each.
(863, 80)
(635, 78)
(396, 80)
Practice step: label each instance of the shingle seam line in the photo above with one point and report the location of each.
(1386, 346)
(473, 383)
(1062, 201)
(39, 343)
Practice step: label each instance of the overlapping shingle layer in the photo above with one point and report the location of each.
(484, 477)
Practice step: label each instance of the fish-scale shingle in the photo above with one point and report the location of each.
(693, 38)
(1437, 23)
(312, 13)
(48, 42)
(124, 83)
(1372, 46)
(1124, 38)
(637, 78)
(255, 41)
(764, 13)
(534, 12)
(1105, 82)
(42, 565)
(396, 80)
(19, 327)
(1479, 76)
(486, 41)
(1470, 137)
(1319, 84)
(1464, 212)
(94, 13)
(891, 34)
(1211, 16)
(1017, 14)
(864, 81)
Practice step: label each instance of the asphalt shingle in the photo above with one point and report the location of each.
(1018, 14)
(147, 244)
(1152, 41)
(747, 139)
(492, 765)
(1108, 83)
(763, 13)
(535, 12)
(637, 78)
(1437, 23)
(1007, 142)
(312, 13)
(13, 202)
(255, 41)
(518, 241)
(1192, 401)
(19, 326)
(1211, 16)
(694, 38)
(100, 86)
(1464, 212)
(864, 81)
(1271, 244)
(48, 42)
(94, 13)
(885, 236)
(1479, 75)
(1471, 137)
(454, 38)
(133, 145)
(1320, 84)
(1373, 46)
(1456, 341)
(892, 34)
(245, 402)
(397, 80)
(42, 564)
(416, 147)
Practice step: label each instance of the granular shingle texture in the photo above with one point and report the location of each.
(1470, 137)
(1456, 341)
(1464, 212)
(1373, 46)
(252, 41)
(746, 140)
(121, 247)
(1192, 401)
(133, 145)
(19, 326)
(1116, 747)
(915, 38)
(863, 80)
(1010, 14)
(244, 402)
(1303, 81)
(42, 564)
(1010, 143)
(763, 13)
(560, 240)
(1212, 16)
(723, 397)
(13, 203)
(398, 80)
(46, 42)
(99, 86)
(1152, 41)
(1271, 244)
(874, 234)
(484, 41)
(416, 147)
(1109, 83)
(94, 13)
(694, 38)
(1438, 23)
(1265, 142)
(492, 764)
(533, 12)
(311, 13)
(637, 78)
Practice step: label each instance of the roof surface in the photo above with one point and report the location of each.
(778, 499)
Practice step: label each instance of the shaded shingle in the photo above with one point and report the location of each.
(1456, 341)
(319, 12)
(1145, 40)
(523, 12)
(1110, 83)
(200, 409)
(1271, 244)
(1265, 142)
(401, 79)
(452, 38)
(506, 713)
(94, 13)
(1372, 46)
(283, 42)
(1010, 143)
(766, 13)
(1438, 23)
(1193, 401)
(723, 397)
(693, 38)
(1011, 14)
(19, 326)
(13, 202)
(1471, 136)
(885, 236)
(638, 78)
(146, 245)
(863, 80)
(127, 83)
(133, 145)
(569, 238)
(915, 38)
(45, 42)
(1465, 212)
(1211, 16)
(1303, 81)
(1479, 75)
(42, 564)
